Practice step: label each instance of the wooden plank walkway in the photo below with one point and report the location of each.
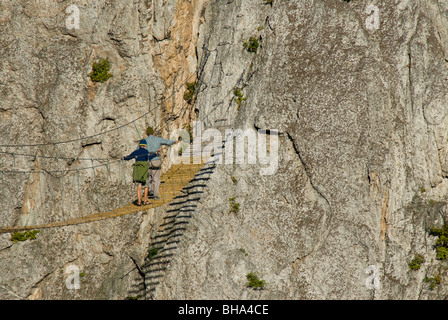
(172, 182)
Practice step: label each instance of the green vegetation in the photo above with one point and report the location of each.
(23, 236)
(191, 92)
(269, 2)
(134, 297)
(416, 263)
(433, 203)
(238, 97)
(244, 251)
(251, 45)
(189, 129)
(234, 180)
(152, 253)
(442, 253)
(234, 206)
(100, 71)
(433, 281)
(254, 282)
(441, 244)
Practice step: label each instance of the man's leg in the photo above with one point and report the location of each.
(157, 182)
(149, 181)
(145, 194)
(139, 193)
(154, 177)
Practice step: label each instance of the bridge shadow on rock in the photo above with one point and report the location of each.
(169, 234)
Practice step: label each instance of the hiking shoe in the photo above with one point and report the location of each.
(156, 197)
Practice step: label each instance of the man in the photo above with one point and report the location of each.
(153, 144)
(140, 172)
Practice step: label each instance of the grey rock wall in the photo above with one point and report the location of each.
(362, 129)
(47, 96)
(363, 138)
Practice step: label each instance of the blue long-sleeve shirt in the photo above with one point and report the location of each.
(154, 143)
(141, 154)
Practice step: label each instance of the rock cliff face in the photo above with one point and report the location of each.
(361, 114)
(54, 118)
(360, 110)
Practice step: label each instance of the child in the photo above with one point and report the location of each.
(140, 172)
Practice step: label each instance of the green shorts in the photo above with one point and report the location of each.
(140, 172)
